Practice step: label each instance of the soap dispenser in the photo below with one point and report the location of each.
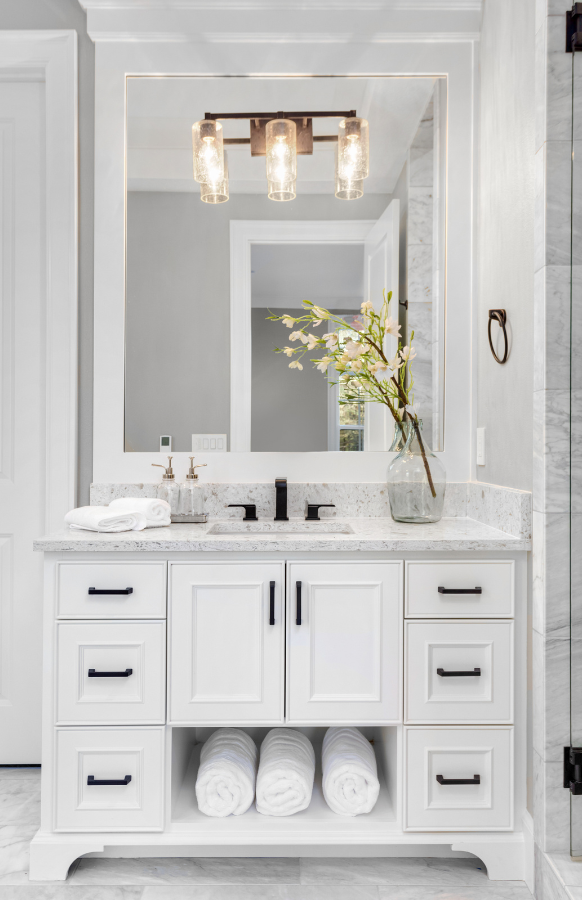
(168, 490)
(191, 508)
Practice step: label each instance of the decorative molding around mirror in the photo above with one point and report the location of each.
(186, 49)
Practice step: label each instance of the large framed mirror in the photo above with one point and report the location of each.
(202, 278)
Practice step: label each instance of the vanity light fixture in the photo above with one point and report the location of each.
(280, 137)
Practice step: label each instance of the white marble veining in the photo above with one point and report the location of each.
(369, 535)
(495, 890)
(503, 508)
(402, 871)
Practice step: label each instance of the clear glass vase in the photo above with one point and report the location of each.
(416, 478)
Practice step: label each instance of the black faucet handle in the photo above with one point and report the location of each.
(312, 511)
(250, 511)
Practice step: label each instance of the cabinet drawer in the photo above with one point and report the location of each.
(459, 672)
(88, 653)
(145, 600)
(428, 585)
(483, 757)
(109, 754)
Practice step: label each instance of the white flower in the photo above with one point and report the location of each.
(330, 339)
(317, 321)
(289, 321)
(303, 338)
(319, 312)
(408, 353)
(295, 365)
(357, 365)
(354, 348)
(295, 335)
(378, 366)
(366, 305)
(288, 351)
(345, 377)
(395, 363)
(391, 326)
(312, 341)
(323, 363)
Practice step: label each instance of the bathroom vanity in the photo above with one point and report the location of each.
(154, 639)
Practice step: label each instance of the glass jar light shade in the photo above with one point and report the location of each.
(353, 149)
(347, 188)
(216, 191)
(207, 151)
(281, 138)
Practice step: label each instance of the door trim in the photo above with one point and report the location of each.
(51, 56)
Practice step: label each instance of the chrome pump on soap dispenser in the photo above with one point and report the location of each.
(168, 490)
(191, 508)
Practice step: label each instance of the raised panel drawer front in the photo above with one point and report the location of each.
(458, 672)
(109, 779)
(460, 589)
(226, 643)
(111, 590)
(111, 673)
(344, 626)
(458, 779)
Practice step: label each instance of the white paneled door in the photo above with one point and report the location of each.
(22, 423)
(38, 339)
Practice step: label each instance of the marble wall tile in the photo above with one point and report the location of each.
(540, 76)
(538, 695)
(421, 163)
(420, 276)
(552, 328)
(539, 817)
(540, 209)
(551, 469)
(551, 574)
(548, 884)
(557, 809)
(558, 82)
(420, 215)
(558, 161)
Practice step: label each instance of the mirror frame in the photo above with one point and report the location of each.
(130, 44)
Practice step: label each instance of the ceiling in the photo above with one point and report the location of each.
(161, 112)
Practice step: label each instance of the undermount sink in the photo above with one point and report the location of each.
(269, 527)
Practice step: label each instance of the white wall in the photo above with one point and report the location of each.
(506, 239)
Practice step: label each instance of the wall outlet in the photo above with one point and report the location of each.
(208, 443)
(480, 446)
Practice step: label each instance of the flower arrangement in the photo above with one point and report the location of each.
(364, 371)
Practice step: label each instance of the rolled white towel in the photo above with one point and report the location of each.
(286, 773)
(157, 512)
(350, 773)
(101, 518)
(227, 774)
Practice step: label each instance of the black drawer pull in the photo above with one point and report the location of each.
(93, 674)
(298, 617)
(444, 674)
(475, 780)
(120, 591)
(272, 603)
(475, 590)
(92, 780)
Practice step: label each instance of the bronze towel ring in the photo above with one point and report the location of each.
(500, 316)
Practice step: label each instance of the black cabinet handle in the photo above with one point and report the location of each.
(475, 590)
(312, 511)
(475, 780)
(93, 590)
(272, 603)
(444, 674)
(250, 511)
(92, 780)
(298, 617)
(93, 674)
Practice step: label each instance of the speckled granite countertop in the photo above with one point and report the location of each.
(363, 534)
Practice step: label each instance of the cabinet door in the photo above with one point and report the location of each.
(344, 649)
(226, 658)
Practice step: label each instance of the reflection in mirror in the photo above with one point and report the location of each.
(203, 277)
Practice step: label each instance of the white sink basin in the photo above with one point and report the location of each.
(233, 526)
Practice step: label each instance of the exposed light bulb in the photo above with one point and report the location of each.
(347, 188)
(353, 154)
(216, 191)
(207, 151)
(281, 158)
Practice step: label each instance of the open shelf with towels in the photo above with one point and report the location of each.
(317, 822)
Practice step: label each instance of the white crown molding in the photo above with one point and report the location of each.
(279, 5)
(169, 37)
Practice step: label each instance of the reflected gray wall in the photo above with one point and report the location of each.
(178, 300)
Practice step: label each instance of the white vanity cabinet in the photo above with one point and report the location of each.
(146, 653)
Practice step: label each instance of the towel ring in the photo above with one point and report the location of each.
(500, 316)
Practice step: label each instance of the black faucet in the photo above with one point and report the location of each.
(281, 500)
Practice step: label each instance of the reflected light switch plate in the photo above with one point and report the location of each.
(208, 443)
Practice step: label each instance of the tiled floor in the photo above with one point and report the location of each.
(228, 879)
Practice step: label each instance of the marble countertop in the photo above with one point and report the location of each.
(367, 534)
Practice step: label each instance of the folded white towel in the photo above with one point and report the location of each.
(227, 774)
(157, 512)
(350, 773)
(286, 772)
(101, 518)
